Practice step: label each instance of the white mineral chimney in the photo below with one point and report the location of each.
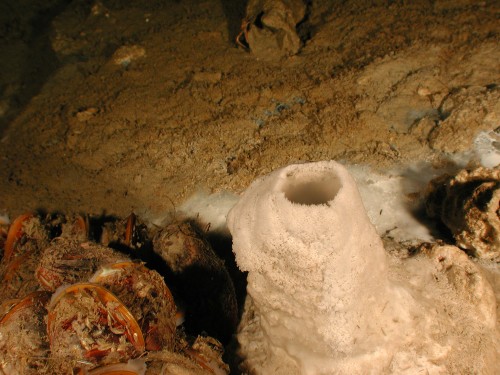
(317, 268)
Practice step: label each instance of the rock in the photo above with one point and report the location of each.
(86, 114)
(422, 128)
(270, 27)
(468, 204)
(466, 278)
(401, 90)
(465, 113)
(126, 54)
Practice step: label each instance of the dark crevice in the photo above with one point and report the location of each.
(235, 13)
(305, 29)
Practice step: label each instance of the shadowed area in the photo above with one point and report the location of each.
(26, 56)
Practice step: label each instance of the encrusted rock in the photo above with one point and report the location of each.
(454, 268)
(270, 27)
(468, 204)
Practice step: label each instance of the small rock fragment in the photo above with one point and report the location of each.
(126, 54)
(86, 114)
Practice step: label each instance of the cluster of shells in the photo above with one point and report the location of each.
(70, 305)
